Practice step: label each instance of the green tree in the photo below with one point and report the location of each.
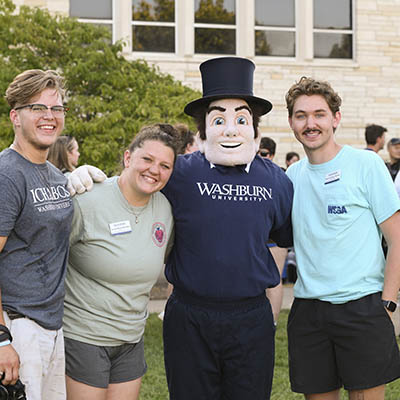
(153, 38)
(214, 12)
(262, 46)
(161, 11)
(214, 41)
(109, 97)
(344, 49)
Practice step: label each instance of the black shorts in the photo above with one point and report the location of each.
(334, 345)
(99, 366)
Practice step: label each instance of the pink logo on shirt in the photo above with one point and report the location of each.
(158, 234)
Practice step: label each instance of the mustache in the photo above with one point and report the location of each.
(312, 131)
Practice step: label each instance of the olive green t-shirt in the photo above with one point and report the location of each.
(116, 255)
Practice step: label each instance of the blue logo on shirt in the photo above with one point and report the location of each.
(337, 210)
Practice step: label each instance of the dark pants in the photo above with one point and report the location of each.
(218, 350)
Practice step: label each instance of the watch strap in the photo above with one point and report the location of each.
(5, 333)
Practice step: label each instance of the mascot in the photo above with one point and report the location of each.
(227, 203)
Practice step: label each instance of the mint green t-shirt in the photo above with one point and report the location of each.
(337, 207)
(116, 255)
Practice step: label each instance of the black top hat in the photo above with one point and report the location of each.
(227, 77)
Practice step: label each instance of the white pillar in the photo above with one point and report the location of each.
(122, 23)
(184, 19)
(245, 42)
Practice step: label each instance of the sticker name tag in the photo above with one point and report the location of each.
(118, 228)
(332, 177)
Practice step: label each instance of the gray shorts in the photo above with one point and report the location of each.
(99, 366)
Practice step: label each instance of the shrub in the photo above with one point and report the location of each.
(109, 97)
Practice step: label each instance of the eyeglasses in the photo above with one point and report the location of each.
(264, 153)
(41, 109)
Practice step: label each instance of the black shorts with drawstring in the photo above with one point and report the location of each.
(218, 349)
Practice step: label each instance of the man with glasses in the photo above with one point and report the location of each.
(35, 219)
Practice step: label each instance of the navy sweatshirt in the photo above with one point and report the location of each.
(224, 217)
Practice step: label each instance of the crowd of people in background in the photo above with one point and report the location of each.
(76, 273)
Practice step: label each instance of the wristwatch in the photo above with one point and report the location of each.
(390, 305)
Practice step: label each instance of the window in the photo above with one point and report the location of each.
(97, 12)
(215, 27)
(153, 26)
(333, 29)
(303, 30)
(275, 30)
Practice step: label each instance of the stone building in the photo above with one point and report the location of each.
(354, 44)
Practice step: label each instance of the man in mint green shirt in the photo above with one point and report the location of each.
(340, 328)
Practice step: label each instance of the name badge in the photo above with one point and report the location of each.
(333, 177)
(118, 228)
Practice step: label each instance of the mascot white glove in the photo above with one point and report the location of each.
(82, 178)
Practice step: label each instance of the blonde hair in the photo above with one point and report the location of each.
(58, 153)
(32, 82)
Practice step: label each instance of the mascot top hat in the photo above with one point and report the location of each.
(227, 77)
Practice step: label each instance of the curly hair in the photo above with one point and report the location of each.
(309, 86)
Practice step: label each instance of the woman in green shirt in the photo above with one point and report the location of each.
(120, 234)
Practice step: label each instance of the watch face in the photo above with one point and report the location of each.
(390, 305)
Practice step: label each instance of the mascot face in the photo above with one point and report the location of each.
(230, 133)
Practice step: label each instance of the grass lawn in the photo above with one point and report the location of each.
(154, 386)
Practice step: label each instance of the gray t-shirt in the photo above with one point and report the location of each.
(117, 253)
(35, 214)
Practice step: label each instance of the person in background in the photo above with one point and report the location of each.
(375, 137)
(64, 154)
(340, 329)
(289, 274)
(35, 222)
(227, 202)
(187, 139)
(267, 148)
(186, 145)
(291, 158)
(120, 233)
(393, 164)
